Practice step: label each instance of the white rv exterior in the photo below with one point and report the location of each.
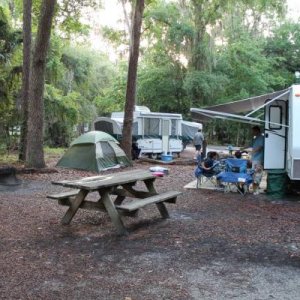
(281, 126)
(282, 133)
(155, 133)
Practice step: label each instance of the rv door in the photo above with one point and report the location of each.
(275, 135)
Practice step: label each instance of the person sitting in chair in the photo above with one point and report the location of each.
(210, 167)
(210, 164)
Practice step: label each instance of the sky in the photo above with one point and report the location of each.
(113, 11)
(294, 9)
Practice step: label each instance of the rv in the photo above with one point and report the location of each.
(281, 122)
(155, 133)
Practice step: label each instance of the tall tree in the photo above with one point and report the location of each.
(27, 7)
(34, 149)
(131, 77)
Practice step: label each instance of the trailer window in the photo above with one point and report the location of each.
(173, 127)
(135, 130)
(151, 126)
(104, 126)
(275, 113)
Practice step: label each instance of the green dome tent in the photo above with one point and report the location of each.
(94, 151)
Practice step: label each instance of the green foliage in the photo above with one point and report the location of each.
(9, 38)
(160, 88)
(194, 53)
(69, 17)
(167, 29)
(283, 47)
(202, 87)
(77, 78)
(10, 79)
(116, 37)
(247, 68)
(112, 97)
(61, 115)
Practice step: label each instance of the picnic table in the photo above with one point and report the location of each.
(113, 190)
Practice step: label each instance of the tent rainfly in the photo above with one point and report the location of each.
(94, 151)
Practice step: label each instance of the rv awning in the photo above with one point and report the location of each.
(235, 107)
(207, 115)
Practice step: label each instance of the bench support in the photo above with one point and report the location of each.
(163, 210)
(111, 210)
(74, 207)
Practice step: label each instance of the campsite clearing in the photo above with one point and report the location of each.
(213, 246)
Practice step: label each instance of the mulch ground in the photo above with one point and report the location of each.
(214, 246)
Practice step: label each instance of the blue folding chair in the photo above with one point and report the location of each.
(236, 175)
(204, 176)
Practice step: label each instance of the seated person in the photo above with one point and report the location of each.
(210, 164)
(238, 154)
(241, 155)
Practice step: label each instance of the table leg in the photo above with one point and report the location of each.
(112, 212)
(161, 206)
(163, 210)
(150, 185)
(74, 207)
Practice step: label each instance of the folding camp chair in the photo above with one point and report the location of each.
(236, 177)
(204, 176)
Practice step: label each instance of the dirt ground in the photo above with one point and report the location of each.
(214, 246)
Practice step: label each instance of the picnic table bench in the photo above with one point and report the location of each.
(113, 189)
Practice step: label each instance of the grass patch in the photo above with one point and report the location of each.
(8, 158)
(54, 151)
(11, 158)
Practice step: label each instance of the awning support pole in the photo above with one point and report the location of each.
(260, 107)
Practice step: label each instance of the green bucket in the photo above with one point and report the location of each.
(276, 184)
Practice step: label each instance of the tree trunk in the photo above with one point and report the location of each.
(27, 6)
(131, 77)
(35, 151)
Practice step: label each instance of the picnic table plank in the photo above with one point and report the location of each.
(63, 195)
(138, 203)
(107, 180)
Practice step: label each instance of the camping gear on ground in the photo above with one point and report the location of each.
(159, 169)
(166, 157)
(94, 151)
(158, 174)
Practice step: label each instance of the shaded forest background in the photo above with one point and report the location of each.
(193, 53)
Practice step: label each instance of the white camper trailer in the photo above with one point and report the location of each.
(155, 133)
(281, 124)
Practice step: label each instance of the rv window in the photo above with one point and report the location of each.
(151, 126)
(275, 113)
(104, 126)
(135, 128)
(174, 127)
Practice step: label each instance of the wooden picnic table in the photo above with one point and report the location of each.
(113, 189)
